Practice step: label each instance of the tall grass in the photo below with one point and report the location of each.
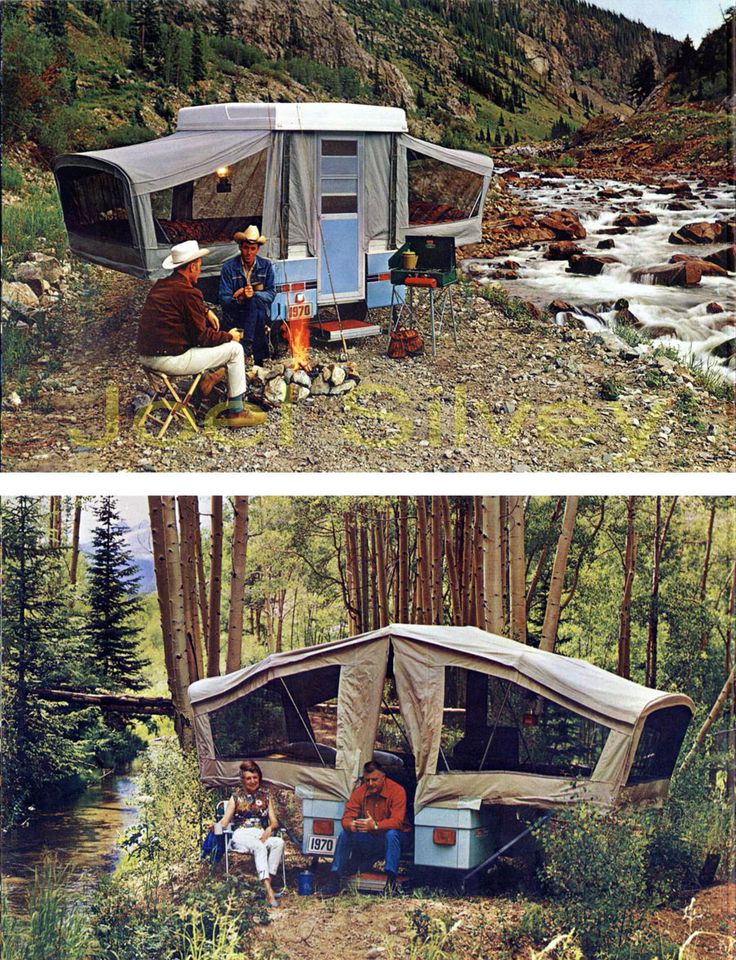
(37, 216)
(54, 928)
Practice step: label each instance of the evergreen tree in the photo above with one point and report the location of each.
(138, 114)
(146, 33)
(113, 604)
(199, 65)
(233, 92)
(223, 18)
(41, 649)
(644, 80)
(51, 17)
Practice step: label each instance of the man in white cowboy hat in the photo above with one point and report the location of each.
(178, 335)
(247, 291)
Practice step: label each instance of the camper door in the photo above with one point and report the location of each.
(339, 208)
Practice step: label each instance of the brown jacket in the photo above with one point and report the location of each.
(388, 808)
(174, 320)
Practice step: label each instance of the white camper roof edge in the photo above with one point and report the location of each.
(343, 117)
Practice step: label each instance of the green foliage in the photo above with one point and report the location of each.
(12, 177)
(515, 309)
(53, 926)
(594, 870)
(113, 603)
(37, 216)
(611, 388)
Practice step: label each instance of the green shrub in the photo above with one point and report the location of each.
(611, 388)
(37, 216)
(514, 308)
(594, 870)
(12, 177)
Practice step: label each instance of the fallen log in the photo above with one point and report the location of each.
(127, 703)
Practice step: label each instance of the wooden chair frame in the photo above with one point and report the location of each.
(228, 834)
(176, 405)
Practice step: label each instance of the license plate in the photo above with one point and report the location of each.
(299, 311)
(321, 845)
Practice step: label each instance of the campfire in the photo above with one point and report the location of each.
(300, 377)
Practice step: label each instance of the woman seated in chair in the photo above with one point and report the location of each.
(251, 811)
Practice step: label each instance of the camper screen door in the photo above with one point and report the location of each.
(339, 212)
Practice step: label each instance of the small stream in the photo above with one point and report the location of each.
(698, 333)
(82, 835)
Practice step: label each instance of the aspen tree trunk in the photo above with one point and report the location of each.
(452, 568)
(480, 601)
(76, 523)
(166, 540)
(437, 560)
(517, 565)
(505, 622)
(403, 539)
(237, 585)
(373, 550)
(280, 604)
(542, 557)
(706, 567)
(559, 565)
(660, 535)
(494, 578)
(381, 587)
(624, 628)
(351, 576)
(468, 555)
(293, 617)
(199, 564)
(711, 718)
(155, 511)
(365, 597)
(213, 624)
(189, 578)
(423, 564)
(55, 523)
(730, 659)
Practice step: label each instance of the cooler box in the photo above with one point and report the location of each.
(322, 826)
(454, 839)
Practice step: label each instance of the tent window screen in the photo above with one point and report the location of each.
(339, 176)
(440, 192)
(212, 208)
(94, 204)
(494, 724)
(659, 744)
(294, 718)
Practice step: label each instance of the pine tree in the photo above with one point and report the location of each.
(51, 17)
(233, 92)
(223, 18)
(644, 80)
(113, 604)
(41, 649)
(199, 66)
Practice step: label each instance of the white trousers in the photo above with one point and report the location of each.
(267, 855)
(197, 359)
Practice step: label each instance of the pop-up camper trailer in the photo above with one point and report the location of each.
(334, 186)
(470, 723)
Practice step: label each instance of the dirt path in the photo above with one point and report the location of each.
(358, 927)
(515, 395)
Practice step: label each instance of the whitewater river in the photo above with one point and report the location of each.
(698, 333)
(82, 834)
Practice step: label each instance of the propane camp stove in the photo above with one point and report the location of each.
(427, 283)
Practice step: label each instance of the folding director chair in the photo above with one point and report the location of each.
(167, 391)
(228, 834)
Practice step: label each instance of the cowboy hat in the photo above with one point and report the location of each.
(251, 234)
(184, 253)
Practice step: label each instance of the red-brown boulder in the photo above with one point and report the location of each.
(686, 274)
(714, 307)
(725, 258)
(661, 330)
(562, 250)
(606, 244)
(589, 265)
(639, 218)
(705, 231)
(708, 269)
(565, 224)
(558, 306)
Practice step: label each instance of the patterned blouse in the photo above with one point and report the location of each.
(251, 809)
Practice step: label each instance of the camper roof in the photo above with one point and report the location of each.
(293, 116)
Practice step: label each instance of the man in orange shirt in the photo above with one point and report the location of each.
(375, 827)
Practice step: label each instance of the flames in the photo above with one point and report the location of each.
(298, 334)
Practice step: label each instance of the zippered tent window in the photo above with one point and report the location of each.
(289, 718)
(659, 744)
(491, 723)
(213, 207)
(94, 204)
(440, 192)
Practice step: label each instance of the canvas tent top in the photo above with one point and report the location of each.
(345, 117)
(608, 695)
(625, 737)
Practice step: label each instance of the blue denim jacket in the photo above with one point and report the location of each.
(232, 278)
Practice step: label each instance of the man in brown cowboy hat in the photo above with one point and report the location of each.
(178, 335)
(247, 292)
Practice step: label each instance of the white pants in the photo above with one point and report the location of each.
(267, 855)
(197, 359)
